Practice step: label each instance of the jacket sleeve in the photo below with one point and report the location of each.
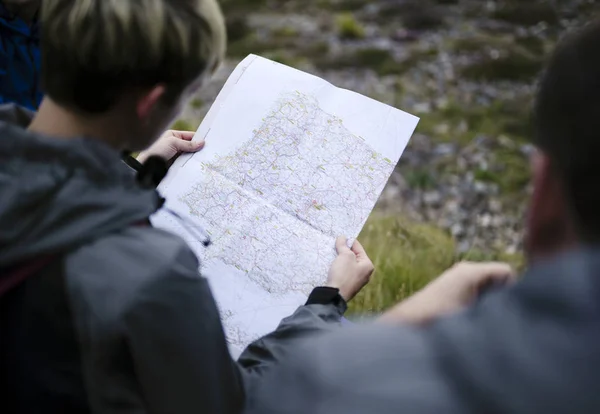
(15, 114)
(515, 351)
(320, 314)
(178, 346)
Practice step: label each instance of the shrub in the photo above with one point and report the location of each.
(348, 27)
(527, 14)
(183, 125)
(512, 67)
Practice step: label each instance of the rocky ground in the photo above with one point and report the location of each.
(466, 67)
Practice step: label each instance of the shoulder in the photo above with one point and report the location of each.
(108, 276)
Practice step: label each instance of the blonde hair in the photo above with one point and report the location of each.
(94, 50)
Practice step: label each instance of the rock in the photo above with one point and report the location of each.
(432, 198)
(457, 230)
(404, 35)
(506, 142)
(527, 149)
(442, 129)
(484, 220)
(444, 149)
(464, 246)
(422, 107)
(495, 206)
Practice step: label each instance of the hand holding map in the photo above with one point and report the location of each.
(351, 270)
(291, 162)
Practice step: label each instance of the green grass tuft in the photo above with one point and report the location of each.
(285, 31)
(197, 103)
(348, 27)
(407, 255)
(183, 125)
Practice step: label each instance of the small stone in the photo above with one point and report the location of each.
(495, 206)
(497, 221)
(452, 207)
(457, 230)
(442, 103)
(444, 149)
(442, 129)
(432, 198)
(464, 246)
(422, 107)
(506, 142)
(480, 188)
(403, 35)
(527, 149)
(484, 220)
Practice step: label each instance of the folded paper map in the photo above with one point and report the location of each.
(290, 163)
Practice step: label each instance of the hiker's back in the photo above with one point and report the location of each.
(40, 358)
(106, 320)
(63, 328)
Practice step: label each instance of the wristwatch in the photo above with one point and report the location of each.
(324, 295)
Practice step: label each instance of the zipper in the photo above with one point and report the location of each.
(31, 44)
(35, 75)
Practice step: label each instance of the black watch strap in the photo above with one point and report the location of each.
(132, 162)
(325, 295)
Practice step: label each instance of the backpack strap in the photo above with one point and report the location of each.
(21, 272)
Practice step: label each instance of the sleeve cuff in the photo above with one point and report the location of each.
(132, 162)
(324, 295)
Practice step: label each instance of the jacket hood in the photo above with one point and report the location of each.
(56, 195)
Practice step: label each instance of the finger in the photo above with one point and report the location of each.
(341, 247)
(495, 273)
(495, 281)
(188, 146)
(184, 135)
(359, 250)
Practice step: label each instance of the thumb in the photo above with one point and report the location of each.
(496, 274)
(341, 245)
(185, 135)
(188, 146)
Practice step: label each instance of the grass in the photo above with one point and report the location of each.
(512, 67)
(407, 255)
(285, 31)
(197, 103)
(183, 125)
(414, 14)
(512, 118)
(526, 13)
(348, 27)
(379, 60)
(419, 178)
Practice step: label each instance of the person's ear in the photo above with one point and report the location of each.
(548, 225)
(149, 101)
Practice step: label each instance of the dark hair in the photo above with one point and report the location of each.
(95, 50)
(567, 121)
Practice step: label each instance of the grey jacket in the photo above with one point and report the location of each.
(119, 320)
(533, 348)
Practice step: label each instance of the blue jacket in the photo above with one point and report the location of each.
(20, 61)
